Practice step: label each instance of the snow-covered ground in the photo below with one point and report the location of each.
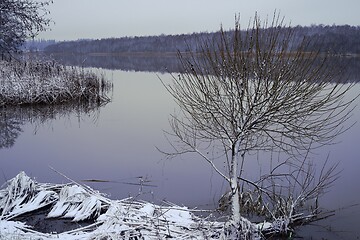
(112, 219)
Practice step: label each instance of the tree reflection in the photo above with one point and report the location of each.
(126, 62)
(10, 128)
(169, 63)
(13, 118)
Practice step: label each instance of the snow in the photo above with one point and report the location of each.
(181, 215)
(9, 228)
(74, 202)
(148, 209)
(264, 225)
(14, 199)
(42, 199)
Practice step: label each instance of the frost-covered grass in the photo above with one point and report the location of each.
(34, 82)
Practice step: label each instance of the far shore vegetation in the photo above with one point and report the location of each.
(335, 40)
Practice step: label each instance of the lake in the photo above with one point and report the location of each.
(115, 148)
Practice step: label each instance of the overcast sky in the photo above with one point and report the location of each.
(75, 19)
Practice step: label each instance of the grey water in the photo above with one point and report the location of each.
(114, 150)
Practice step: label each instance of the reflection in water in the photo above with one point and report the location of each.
(12, 118)
(136, 62)
(10, 128)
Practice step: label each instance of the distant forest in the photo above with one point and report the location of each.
(36, 45)
(342, 40)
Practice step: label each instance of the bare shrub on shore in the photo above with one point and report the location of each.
(34, 82)
(249, 91)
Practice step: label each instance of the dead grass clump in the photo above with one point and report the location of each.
(34, 82)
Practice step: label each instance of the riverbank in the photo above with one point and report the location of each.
(35, 82)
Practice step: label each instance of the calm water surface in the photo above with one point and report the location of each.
(118, 144)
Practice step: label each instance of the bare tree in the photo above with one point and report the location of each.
(20, 20)
(253, 90)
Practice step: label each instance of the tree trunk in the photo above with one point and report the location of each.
(235, 203)
(235, 199)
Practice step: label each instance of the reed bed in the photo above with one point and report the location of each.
(34, 82)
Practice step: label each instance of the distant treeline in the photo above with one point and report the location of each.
(36, 45)
(335, 39)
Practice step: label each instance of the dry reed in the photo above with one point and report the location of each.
(33, 82)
